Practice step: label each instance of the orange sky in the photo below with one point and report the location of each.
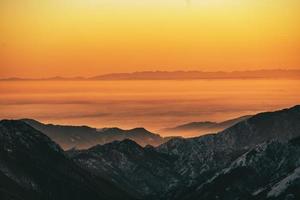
(91, 37)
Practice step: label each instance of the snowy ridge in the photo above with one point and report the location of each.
(282, 186)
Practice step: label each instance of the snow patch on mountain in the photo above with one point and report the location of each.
(280, 187)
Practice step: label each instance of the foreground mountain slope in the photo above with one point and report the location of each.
(143, 171)
(33, 167)
(257, 158)
(271, 170)
(200, 128)
(84, 137)
(187, 163)
(282, 125)
(10, 190)
(208, 154)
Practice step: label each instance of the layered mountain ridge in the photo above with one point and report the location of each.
(177, 75)
(145, 171)
(82, 137)
(257, 158)
(204, 127)
(192, 161)
(33, 167)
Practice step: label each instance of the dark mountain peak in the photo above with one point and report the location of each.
(20, 136)
(31, 121)
(111, 130)
(127, 142)
(125, 146)
(143, 171)
(13, 123)
(34, 123)
(139, 135)
(281, 125)
(34, 167)
(139, 130)
(294, 108)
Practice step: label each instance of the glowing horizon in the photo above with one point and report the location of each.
(71, 38)
(86, 38)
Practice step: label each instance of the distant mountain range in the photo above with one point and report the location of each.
(179, 75)
(84, 137)
(257, 158)
(201, 128)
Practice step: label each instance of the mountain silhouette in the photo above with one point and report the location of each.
(179, 167)
(201, 128)
(85, 137)
(257, 158)
(33, 167)
(176, 75)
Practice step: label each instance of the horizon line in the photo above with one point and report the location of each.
(110, 76)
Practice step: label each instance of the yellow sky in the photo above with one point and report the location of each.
(88, 37)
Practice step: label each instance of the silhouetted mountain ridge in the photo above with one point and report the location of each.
(84, 137)
(143, 171)
(177, 75)
(255, 159)
(192, 75)
(33, 167)
(189, 163)
(205, 127)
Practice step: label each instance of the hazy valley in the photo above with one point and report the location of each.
(152, 104)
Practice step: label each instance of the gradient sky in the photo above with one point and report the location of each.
(88, 37)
